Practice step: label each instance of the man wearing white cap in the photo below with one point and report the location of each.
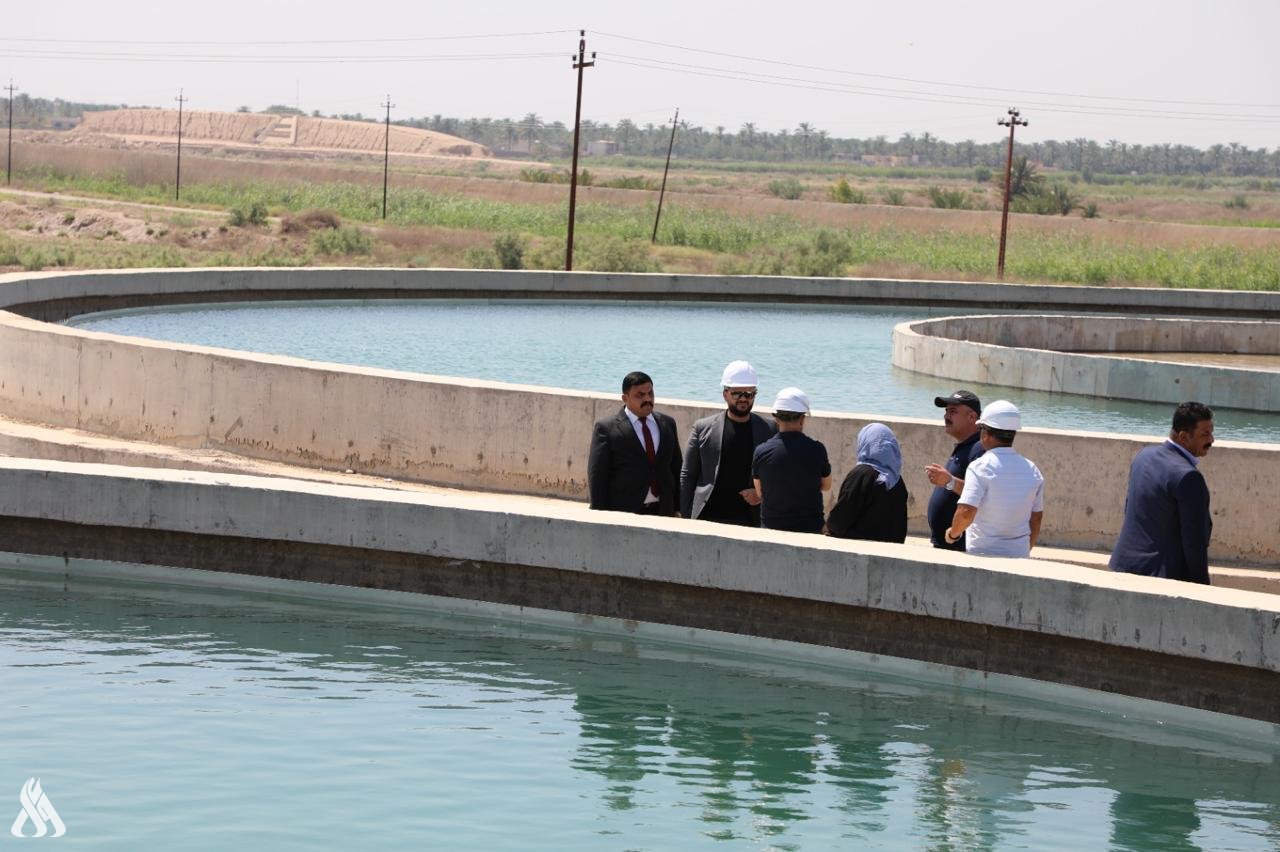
(1002, 503)
(791, 470)
(715, 483)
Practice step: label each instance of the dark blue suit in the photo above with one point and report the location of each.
(1166, 518)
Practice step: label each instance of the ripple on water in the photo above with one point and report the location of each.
(399, 729)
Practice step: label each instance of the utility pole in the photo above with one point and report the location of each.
(662, 192)
(177, 180)
(8, 175)
(579, 63)
(386, 155)
(1011, 122)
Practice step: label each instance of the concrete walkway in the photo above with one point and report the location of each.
(43, 442)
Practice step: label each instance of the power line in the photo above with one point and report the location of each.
(286, 41)
(580, 64)
(754, 76)
(386, 155)
(8, 167)
(930, 82)
(825, 86)
(64, 56)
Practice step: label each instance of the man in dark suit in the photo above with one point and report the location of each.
(715, 482)
(634, 464)
(1166, 513)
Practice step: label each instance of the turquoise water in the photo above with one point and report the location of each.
(164, 718)
(840, 356)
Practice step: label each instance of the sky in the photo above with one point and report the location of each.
(1138, 71)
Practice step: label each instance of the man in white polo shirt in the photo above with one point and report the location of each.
(1002, 503)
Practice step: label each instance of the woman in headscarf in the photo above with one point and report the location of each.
(873, 498)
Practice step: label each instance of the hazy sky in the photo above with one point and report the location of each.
(1134, 70)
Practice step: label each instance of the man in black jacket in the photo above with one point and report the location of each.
(634, 465)
(715, 482)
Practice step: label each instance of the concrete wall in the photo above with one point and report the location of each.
(56, 295)
(1041, 353)
(1204, 647)
(472, 433)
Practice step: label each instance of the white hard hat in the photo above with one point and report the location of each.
(739, 374)
(1001, 414)
(793, 400)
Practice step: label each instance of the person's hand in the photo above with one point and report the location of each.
(750, 495)
(938, 475)
(950, 539)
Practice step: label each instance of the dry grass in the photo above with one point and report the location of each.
(152, 168)
(308, 221)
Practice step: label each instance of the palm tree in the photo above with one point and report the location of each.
(803, 130)
(1023, 177)
(748, 132)
(626, 129)
(531, 124)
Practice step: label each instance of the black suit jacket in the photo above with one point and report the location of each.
(618, 470)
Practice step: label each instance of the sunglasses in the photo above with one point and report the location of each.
(741, 394)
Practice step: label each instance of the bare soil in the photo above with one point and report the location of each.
(81, 222)
(236, 129)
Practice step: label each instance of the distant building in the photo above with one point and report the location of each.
(602, 148)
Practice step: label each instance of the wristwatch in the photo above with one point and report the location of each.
(951, 484)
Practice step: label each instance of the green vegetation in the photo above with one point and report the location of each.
(248, 213)
(842, 193)
(509, 250)
(950, 199)
(344, 240)
(786, 188)
(615, 237)
(1238, 202)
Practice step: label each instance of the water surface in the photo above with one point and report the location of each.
(158, 717)
(840, 356)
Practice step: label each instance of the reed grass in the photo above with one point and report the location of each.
(749, 240)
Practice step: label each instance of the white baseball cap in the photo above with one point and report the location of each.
(1001, 414)
(739, 374)
(793, 400)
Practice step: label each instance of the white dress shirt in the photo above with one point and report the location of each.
(1195, 462)
(1005, 488)
(649, 497)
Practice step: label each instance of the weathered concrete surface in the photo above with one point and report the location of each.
(71, 445)
(470, 434)
(1050, 353)
(1213, 649)
(57, 295)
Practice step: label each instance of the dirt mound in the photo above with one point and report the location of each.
(367, 136)
(88, 222)
(273, 131)
(222, 126)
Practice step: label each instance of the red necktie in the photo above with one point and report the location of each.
(652, 454)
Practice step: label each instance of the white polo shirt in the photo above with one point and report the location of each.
(1005, 488)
